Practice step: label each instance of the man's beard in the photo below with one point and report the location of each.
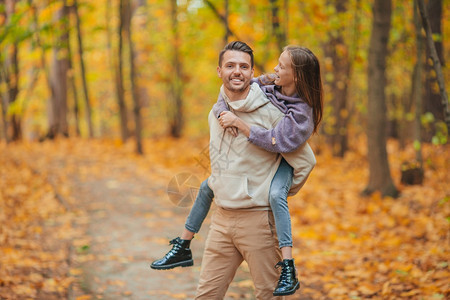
(238, 90)
(234, 89)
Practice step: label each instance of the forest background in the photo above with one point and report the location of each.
(137, 76)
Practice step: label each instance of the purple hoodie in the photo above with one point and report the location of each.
(291, 132)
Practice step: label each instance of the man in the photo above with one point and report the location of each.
(242, 227)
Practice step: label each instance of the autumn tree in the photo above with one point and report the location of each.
(87, 102)
(3, 98)
(223, 18)
(57, 116)
(176, 118)
(133, 78)
(277, 28)
(125, 40)
(412, 171)
(337, 50)
(73, 88)
(437, 66)
(119, 80)
(38, 43)
(434, 105)
(226, 7)
(379, 172)
(9, 75)
(417, 85)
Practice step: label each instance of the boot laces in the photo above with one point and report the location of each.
(284, 276)
(174, 242)
(176, 247)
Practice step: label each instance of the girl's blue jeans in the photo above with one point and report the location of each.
(279, 188)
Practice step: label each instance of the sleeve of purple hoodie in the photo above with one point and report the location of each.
(221, 106)
(292, 130)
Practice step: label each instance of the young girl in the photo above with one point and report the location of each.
(297, 92)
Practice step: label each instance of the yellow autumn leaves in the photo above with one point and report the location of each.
(345, 245)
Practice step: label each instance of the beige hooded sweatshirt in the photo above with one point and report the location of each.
(241, 173)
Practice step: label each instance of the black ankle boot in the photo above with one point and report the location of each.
(179, 256)
(288, 283)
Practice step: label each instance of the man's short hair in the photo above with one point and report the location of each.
(236, 46)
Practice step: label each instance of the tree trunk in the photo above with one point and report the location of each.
(11, 78)
(337, 50)
(379, 172)
(37, 40)
(104, 127)
(3, 96)
(120, 92)
(13, 91)
(13, 85)
(417, 86)
(4, 124)
(412, 171)
(134, 86)
(73, 87)
(402, 125)
(83, 70)
(4, 105)
(277, 29)
(227, 27)
(433, 102)
(444, 111)
(58, 78)
(176, 109)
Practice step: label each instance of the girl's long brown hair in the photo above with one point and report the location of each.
(308, 82)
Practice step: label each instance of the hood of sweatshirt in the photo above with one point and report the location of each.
(283, 102)
(255, 99)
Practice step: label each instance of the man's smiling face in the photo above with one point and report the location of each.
(236, 72)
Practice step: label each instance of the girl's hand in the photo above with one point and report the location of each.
(268, 79)
(228, 119)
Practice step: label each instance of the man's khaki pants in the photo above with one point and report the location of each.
(234, 236)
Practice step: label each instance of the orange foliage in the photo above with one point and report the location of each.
(346, 246)
(35, 231)
(373, 247)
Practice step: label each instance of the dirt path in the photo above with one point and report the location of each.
(130, 226)
(129, 221)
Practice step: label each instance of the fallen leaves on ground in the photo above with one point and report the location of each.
(373, 247)
(346, 246)
(35, 233)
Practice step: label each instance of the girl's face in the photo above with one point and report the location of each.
(284, 72)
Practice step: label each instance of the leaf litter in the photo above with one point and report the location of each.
(346, 246)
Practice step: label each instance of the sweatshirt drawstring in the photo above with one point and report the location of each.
(221, 141)
(231, 142)
(223, 134)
